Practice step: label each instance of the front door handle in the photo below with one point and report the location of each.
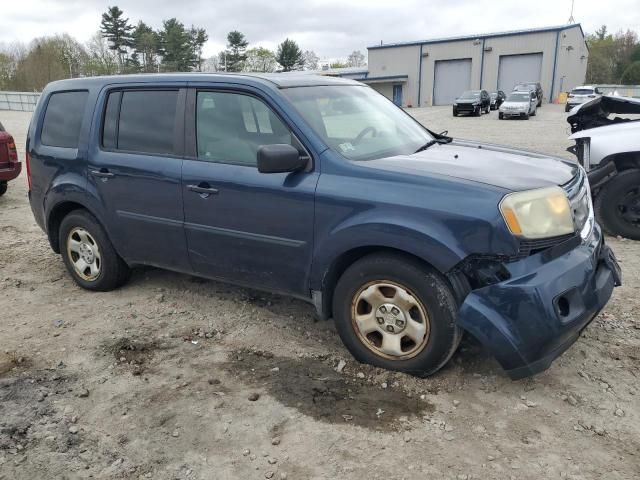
(102, 173)
(203, 188)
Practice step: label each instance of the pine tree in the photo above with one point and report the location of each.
(117, 31)
(146, 44)
(175, 47)
(290, 56)
(197, 38)
(236, 51)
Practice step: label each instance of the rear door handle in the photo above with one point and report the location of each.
(102, 173)
(203, 188)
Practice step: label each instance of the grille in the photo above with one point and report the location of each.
(530, 247)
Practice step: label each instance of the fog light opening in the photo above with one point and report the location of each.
(563, 306)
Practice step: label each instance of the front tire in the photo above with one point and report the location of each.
(89, 255)
(617, 205)
(394, 313)
(3, 188)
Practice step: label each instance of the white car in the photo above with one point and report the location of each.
(580, 95)
(609, 150)
(520, 104)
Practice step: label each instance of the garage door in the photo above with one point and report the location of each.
(452, 77)
(514, 69)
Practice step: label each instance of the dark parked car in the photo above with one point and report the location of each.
(10, 167)
(472, 101)
(535, 86)
(496, 99)
(405, 237)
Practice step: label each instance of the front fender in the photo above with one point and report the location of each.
(433, 241)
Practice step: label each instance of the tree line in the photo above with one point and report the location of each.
(613, 59)
(121, 47)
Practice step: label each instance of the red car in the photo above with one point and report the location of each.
(10, 167)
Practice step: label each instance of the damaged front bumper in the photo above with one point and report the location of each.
(533, 317)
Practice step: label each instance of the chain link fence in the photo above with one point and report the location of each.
(19, 101)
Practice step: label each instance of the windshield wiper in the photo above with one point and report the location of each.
(430, 143)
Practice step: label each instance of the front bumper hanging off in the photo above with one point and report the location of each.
(529, 320)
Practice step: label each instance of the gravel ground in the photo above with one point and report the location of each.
(173, 377)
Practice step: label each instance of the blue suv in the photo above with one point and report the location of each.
(322, 189)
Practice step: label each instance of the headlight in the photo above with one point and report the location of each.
(540, 213)
(455, 104)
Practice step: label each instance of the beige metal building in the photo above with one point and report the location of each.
(435, 72)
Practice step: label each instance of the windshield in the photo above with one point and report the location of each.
(470, 95)
(519, 97)
(494, 94)
(582, 91)
(358, 122)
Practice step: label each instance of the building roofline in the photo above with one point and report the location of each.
(461, 38)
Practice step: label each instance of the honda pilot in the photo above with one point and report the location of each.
(322, 189)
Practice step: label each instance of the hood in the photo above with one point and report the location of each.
(595, 113)
(468, 100)
(496, 165)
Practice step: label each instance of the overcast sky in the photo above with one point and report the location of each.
(332, 28)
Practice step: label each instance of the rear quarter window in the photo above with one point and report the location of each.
(63, 119)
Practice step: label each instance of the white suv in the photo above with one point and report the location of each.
(580, 95)
(608, 147)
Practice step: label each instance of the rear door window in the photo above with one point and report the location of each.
(141, 121)
(63, 119)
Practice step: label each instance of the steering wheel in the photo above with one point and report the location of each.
(361, 135)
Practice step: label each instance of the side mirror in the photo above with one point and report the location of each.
(280, 158)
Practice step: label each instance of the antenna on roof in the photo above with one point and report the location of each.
(571, 19)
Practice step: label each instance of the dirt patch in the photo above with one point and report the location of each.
(132, 355)
(27, 409)
(317, 390)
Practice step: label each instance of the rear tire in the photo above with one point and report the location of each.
(610, 209)
(500, 116)
(83, 241)
(3, 188)
(427, 335)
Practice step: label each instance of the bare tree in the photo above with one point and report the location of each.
(356, 59)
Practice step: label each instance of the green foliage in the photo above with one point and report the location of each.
(146, 44)
(197, 38)
(338, 64)
(611, 55)
(236, 51)
(290, 56)
(175, 47)
(260, 60)
(631, 76)
(117, 30)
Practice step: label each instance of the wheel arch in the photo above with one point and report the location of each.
(57, 214)
(324, 302)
